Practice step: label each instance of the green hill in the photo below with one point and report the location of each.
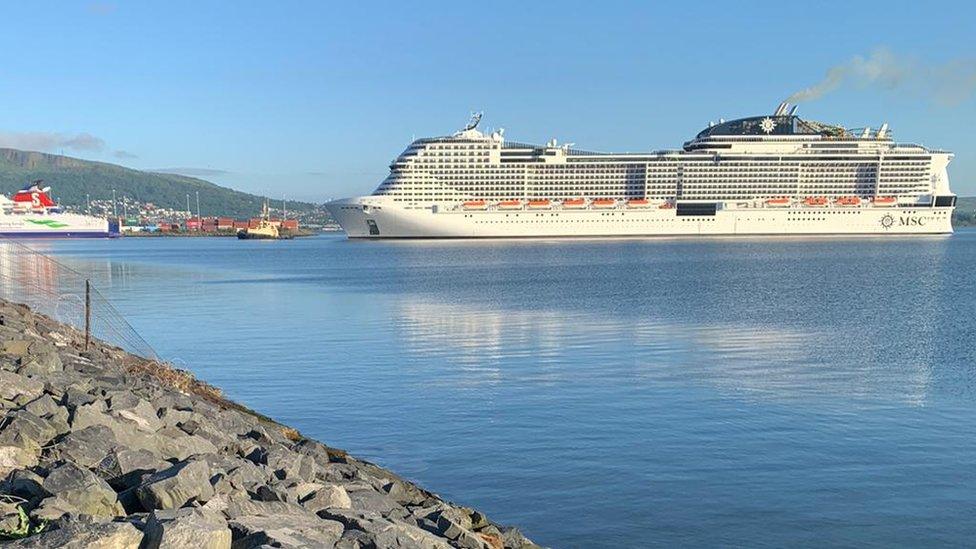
(965, 213)
(71, 179)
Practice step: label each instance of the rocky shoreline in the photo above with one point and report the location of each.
(101, 448)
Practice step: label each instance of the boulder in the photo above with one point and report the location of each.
(23, 483)
(44, 406)
(123, 468)
(41, 364)
(18, 388)
(284, 531)
(331, 496)
(15, 457)
(84, 535)
(187, 527)
(173, 443)
(80, 490)
(15, 347)
(86, 447)
(26, 430)
(174, 487)
(140, 413)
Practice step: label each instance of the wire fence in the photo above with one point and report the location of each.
(58, 291)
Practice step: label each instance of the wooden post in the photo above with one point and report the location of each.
(87, 313)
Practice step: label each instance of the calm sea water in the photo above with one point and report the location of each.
(765, 392)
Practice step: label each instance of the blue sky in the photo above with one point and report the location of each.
(312, 100)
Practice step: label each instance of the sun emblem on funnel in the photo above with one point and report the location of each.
(767, 125)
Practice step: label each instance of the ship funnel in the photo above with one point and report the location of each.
(866, 133)
(883, 132)
(781, 109)
(793, 109)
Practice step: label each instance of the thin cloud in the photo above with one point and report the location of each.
(51, 141)
(101, 8)
(124, 155)
(192, 172)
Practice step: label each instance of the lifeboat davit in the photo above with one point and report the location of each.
(816, 201)
(885, 201)
(604, 203)
(849, 201)
(666, 206)
(539, 204)
(638, 203)
(475, 205)
(574, 204)
(779, 202)
(510, 205)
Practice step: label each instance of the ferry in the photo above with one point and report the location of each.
(32, 213)
(775, 174)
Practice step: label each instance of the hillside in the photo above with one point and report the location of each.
(965, 214)
(72, 178)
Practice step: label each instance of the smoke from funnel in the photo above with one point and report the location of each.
(950, 83)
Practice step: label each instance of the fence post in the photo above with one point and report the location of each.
(87, 313)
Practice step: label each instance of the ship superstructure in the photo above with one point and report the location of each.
(773, 174)
(32, 213)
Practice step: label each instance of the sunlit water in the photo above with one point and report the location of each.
(602, 393)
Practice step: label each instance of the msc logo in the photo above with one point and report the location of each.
(888, 221)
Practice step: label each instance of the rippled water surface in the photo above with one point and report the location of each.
(602, 393)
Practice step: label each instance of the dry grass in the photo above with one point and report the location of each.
(181, 380)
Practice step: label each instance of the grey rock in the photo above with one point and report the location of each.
(15, 347)
(175, 444)
(18, 388)
(284, 531)
(86, 447)
(247, 475)
(368, 500)
(187, 527)
(41, 364)
(44, 406)
(140, 413)
(82, 535)
(26, 430)
(330, 496)
(77, 395)
(123, 468)
(80, 489)
(174, 487)
(287, 464)
(23, 483)
(15, 457)
(404, 493)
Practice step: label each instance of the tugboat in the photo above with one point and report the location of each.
(266, 230)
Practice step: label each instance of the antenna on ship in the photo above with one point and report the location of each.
(474, 121)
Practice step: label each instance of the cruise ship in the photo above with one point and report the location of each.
(776, 174)
(32, 213)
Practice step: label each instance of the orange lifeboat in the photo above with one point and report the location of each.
(574, 204)
(884, 201)
(778, 202)
(475, 205)
(849, 201)
(604, 203)
(510, 205)
(539, 204)
(638, 203)
(815, 201)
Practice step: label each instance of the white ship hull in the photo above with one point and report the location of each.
(51, 225)
(375, 218)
